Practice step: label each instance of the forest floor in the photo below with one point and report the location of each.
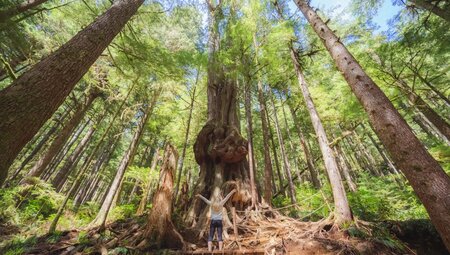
(258, 234)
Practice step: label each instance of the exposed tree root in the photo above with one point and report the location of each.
(264, 230)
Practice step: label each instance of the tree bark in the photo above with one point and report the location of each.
(62, 137)
(186, 136)
(416, 101)
(287, 166)
(219, 149)
(344, 168)
(429, 6)
(293, 153)
(160, 230)
(426, 176)
(307, 152)
(429, 85)
(31, 99)
(268, 172)
(342, 209)
(274, 150)
(126, 160)
(36, 149)
(251, 156)
(10, 12)
(70, 162)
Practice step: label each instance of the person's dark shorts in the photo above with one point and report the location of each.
(215, 224)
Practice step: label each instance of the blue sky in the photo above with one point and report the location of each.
(385, 13)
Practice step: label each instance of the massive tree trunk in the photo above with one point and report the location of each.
(342, 208)
(160, 229)
(287, 166)
(433, 7)
(31, 99)
(63, 136)
(10, 12)
(426, 176)
(219, 149)
(126, 160)
(306, 151)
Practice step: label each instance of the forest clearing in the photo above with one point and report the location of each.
(225, 127)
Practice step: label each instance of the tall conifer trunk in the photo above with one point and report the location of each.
(341, 206)
(426, 176)
(33, 97)
(287, 166)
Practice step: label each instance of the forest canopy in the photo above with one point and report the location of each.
(329, 123)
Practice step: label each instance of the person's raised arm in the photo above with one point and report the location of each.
(227, 197)
(204, 199)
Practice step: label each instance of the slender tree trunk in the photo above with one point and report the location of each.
(31, 99)
(415, 100)
(371, 161)
(307, 152)
(362, 160)
(431, 86)
(426, 176)
(344, 168)
(62, 153)
(62, 137)
(36, 149)
(290, 141)
(274, 150)
(287, 166)
(444, 13)
(10, 12)
(186, 136)
(126, 160)
(73, 188)
(381, 151)
(268, 172)
(70, 162)
(251, 157)
(342, 208)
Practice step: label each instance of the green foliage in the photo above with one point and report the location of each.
(123, 212)
(380, 198)
(31, 203)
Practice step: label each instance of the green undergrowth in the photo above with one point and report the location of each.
(376, 199)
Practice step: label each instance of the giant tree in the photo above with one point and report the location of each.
(219, 149)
